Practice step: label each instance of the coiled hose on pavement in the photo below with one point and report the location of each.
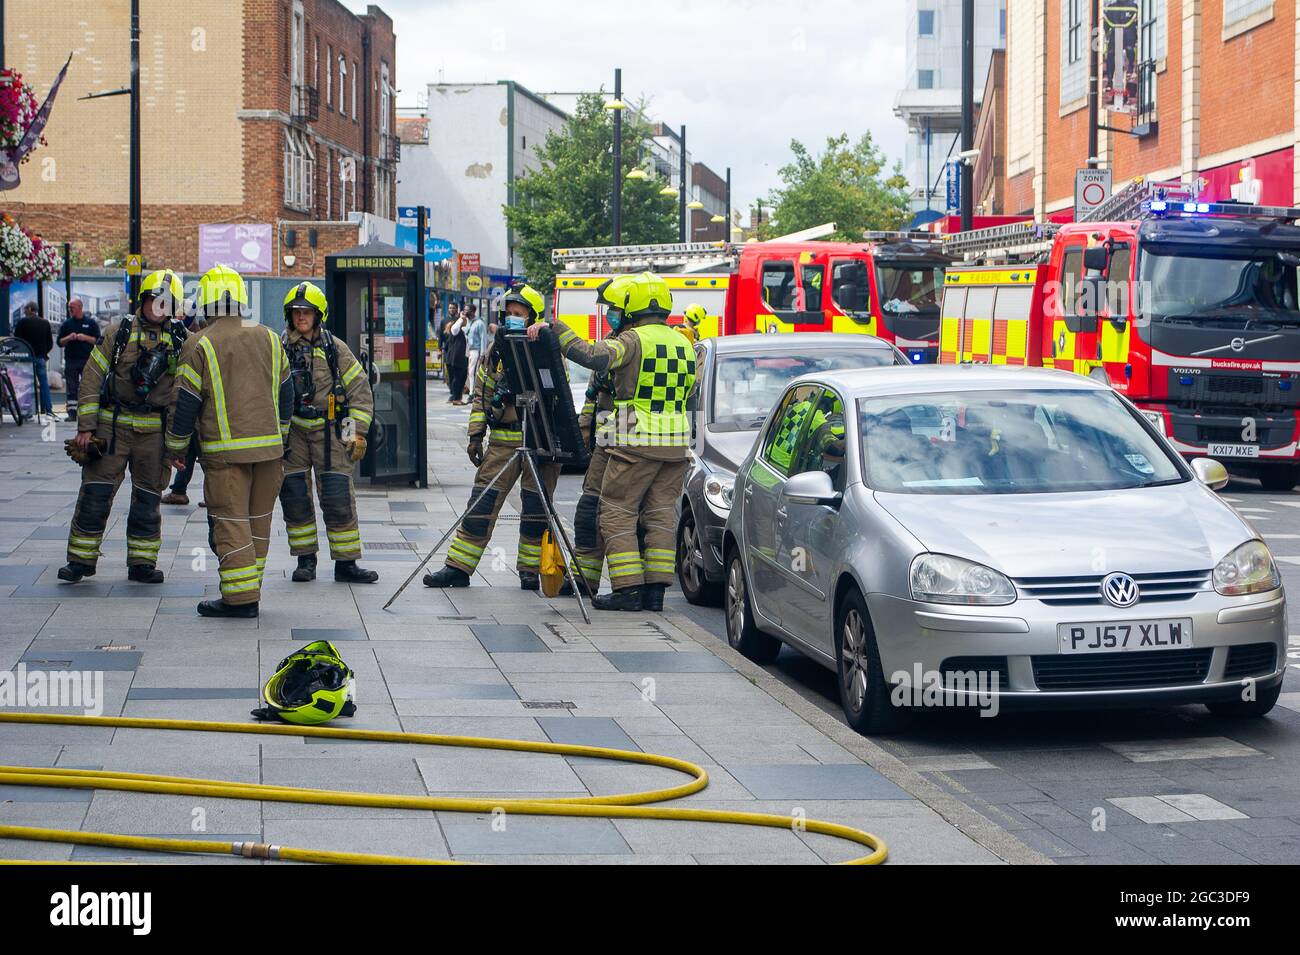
(635, 805)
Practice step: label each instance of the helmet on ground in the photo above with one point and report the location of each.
(166, 285)
(306, 295)
(648, 296)
(695, 314)
(529, 298)
(309, 686)
(221, 291)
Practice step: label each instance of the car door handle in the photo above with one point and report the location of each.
(782, 513)
(749, 490)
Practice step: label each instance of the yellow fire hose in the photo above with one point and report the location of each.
(622, 806)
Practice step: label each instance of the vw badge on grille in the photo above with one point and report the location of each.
(1120, 590)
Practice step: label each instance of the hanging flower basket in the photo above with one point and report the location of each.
(18, 108)
(25, 256)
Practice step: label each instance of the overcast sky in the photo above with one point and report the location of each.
(745, 76)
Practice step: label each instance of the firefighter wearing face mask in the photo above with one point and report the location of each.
(333, 409)
(127, 390)
(493, 408)
(646, 439)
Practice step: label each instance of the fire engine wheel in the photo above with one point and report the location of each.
(1279, 477)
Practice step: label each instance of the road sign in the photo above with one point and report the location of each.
(134, 262)
(1091, 189)
(473, 283)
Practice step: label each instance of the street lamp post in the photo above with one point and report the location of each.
(681, 195)
(726, 231)
(967, 108)
(617, 206)
(135, 240)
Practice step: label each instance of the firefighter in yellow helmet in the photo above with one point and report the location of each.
(493, 407)
(588, 548)
(692, 318)
(126, 391)
(332, 411)
(647, 439)
(236, 391)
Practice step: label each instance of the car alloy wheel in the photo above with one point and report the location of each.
(735, 603)
(855, 663)
(691, 558)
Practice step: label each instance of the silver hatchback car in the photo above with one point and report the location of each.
(992, 537)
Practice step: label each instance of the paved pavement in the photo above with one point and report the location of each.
(1173, 785)
(487, 661)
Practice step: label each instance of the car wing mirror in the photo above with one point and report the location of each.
(1210, 473)
(811, 487)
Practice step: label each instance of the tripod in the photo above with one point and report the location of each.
(528, 456)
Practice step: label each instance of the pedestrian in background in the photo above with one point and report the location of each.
(475, 344)
(35, 331)
(456, 359)
(78, 335)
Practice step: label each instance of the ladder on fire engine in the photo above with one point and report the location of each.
(1019, 240)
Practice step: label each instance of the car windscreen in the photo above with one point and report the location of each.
(745, 387)
(1009, 442)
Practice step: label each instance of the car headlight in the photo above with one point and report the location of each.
(937, 578)
(718, 492)
(1157, 420)
(1249, 569)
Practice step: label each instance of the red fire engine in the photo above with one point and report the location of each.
(1189, 308)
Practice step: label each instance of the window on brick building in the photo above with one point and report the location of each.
(343, 79)
(315, 62)
(299, 171)
(356, 71)
(329, 182)
(1074, 52)
(1234, 11)
(329, 77)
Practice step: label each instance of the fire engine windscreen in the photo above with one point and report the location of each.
(1253, 285)
(747, 386)
(907, 288)
(1012, 442)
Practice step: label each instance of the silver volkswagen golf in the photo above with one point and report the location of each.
(992, 537)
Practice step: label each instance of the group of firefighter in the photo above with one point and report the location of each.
(636, 423)
(272, 413)
(267, 411)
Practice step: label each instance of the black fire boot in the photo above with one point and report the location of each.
(529, 580)
(144, 574)
(347, 572)
(652, 597)
(628, 598)
(219, 608)
(306, 569)
(75, 571)
(449, 576)
(584, 588)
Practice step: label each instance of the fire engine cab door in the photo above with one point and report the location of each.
(1117, 321)
(1074, 336)
(811, 295)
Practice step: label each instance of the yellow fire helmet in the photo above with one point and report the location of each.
(648, 295)
(612, 293)
(311, 685)
(307, 294)
(695, 314)
(164, 284)
(218, 283)
(529, 298)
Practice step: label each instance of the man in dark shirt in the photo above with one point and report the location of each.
(77, 336)
(35, 331)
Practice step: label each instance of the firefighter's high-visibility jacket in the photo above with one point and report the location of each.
(361, 401)
(506, 429)
(133, 412)
(653, 370)
(234, 387)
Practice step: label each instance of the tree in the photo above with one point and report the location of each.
(846, 184)
(567, 202)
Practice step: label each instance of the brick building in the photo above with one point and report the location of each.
(1216, 95)
(275, 112)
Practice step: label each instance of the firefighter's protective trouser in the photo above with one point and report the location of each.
(338, 503)
(588, 545)
(475, 530)
(142, 452)
(241, 500)
(637, 488)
